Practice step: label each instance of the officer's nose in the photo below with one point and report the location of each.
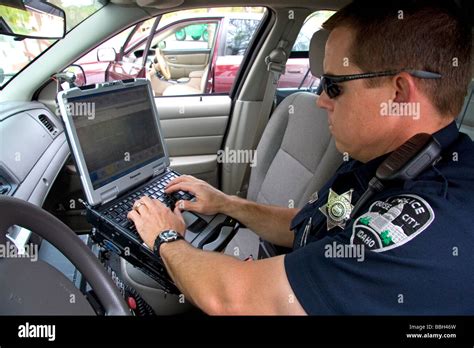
(324, 102)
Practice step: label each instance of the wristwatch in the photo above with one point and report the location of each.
(165, 236)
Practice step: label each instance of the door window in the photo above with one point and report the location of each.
(190, 52)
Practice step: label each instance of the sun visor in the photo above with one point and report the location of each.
(160, 4)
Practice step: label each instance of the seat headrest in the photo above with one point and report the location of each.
(467, 115)
(317, 47)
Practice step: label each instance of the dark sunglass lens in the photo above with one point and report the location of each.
(320, 88)
(333, 90)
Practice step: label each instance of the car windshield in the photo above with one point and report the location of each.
(16, 54)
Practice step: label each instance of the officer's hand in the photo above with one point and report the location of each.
(209, 200)
(151, 217)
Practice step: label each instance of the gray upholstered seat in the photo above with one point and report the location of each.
(467, 116)
(296, 154)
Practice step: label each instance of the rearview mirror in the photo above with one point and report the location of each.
(34, 19)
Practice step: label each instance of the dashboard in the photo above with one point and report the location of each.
(33, 149)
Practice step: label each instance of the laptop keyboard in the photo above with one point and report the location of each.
(154, 190)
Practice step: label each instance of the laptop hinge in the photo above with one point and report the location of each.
(158, 169)
(109, 195)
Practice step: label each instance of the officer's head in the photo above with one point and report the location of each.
(424, 49)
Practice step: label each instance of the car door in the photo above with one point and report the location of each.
(130, 61)
(188, 45)
(194, 121)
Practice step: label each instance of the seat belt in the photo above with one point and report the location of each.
(275, 62)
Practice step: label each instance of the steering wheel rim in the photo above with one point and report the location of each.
(162, 65)
(19, 212)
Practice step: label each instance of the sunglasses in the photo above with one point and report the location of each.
(329, 83)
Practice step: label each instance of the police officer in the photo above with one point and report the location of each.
(409, 249)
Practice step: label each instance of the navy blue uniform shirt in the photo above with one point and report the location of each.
(408, 251)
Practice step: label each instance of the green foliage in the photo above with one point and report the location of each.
(15, 18)
(75, 14)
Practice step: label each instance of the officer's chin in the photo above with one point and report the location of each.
(340, 147)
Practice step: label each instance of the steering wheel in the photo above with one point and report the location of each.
(33, 287)
(162, 65)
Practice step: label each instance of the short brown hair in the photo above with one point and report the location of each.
(414, 34)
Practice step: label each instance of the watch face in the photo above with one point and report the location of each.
(168, 235)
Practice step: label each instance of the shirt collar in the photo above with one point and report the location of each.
(365, 171)
(447, 135)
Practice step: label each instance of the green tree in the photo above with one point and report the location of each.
(15, 18)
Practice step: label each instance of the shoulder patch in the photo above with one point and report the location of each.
(392, 223)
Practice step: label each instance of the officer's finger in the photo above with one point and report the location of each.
(187, 205)
(177, 212)
(182, 178)
(183, 186)
(135, 217)
(154, 206)
(147, 201)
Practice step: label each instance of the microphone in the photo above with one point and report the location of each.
(405, 163)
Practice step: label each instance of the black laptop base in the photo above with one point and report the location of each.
(132, 251)
(210, 233)
(213, 237)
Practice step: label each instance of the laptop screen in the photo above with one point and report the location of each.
(117, 131)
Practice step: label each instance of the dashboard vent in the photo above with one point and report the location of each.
(5, 187)
(47, 123)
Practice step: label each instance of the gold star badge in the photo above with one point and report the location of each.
(338, 209)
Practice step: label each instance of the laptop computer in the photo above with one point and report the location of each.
(117, 144)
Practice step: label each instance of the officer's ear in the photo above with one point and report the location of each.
(404, 88)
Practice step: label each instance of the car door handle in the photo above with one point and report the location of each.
(172, 58)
